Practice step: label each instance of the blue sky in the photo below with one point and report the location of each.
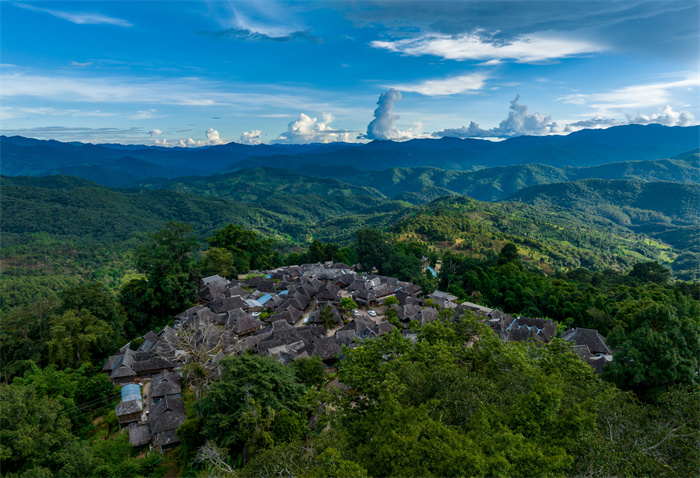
(198, 73)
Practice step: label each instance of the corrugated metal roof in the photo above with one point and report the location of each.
(131, 392)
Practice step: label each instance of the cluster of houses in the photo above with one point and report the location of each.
(151, 405)
(290, 313)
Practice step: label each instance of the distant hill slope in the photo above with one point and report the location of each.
(624, 201)
(418, 185)
(260, 184)
(122, 172)
(493, 184)
(64, 207)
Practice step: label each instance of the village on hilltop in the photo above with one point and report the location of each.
(289, 313)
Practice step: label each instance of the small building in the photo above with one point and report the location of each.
(120, 366)
(165, 384)
(164, 418)
(327, 349)
(139, 435)
(129, 409)
(247, 325)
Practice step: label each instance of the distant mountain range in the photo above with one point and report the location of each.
(120, 165)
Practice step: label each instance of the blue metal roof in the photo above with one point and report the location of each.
(131, 392)
(264, 298)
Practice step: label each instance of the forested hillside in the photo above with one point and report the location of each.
(257, 185)
(493, 184)
(623, 201)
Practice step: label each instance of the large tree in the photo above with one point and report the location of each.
(659, 346)
(170, 282)
(248, 249)
(372, 247)
(262, 379)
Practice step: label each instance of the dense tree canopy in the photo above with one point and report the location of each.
(170, 283)
(659, 347)
(248, 382)
(248, 249)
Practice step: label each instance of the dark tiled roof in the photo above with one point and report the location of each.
(413, 289)
(255, 281)
(215, 279)
(167, 438)
(408, 312)
(111, 362)
(382, 290)
(167, 414)
(204, 314)
(384, 327)
(365, 295)
(127, 408)
(326, 348)
(404, 297)
(589, 337)
(345, 280)
(150, 336)
(152, 363)
(345, 337)
(428, 315)
(266, 286)
(238, 291)
(122, 371)
(247, 325)
(165, 383)
(139, 435)
(225, 304)
(358, 324)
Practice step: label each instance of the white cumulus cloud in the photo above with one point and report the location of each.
(307, 129)
(213, 137)
(519, 122)
(155, 132)
(383, 126)
(667, 117)
(251, 137)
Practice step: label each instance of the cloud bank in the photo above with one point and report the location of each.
(633, 96)
(212, 140)
(532, 48)
(447, 86)
(250, 35)
(519, 122)
(667, 117)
